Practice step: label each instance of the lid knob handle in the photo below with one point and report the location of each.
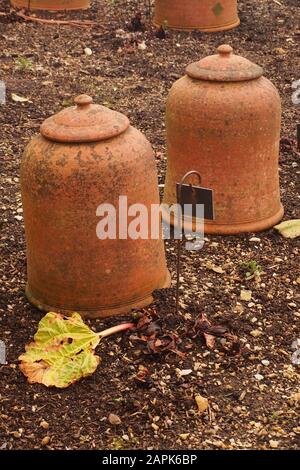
(225, 50)
(83, 100)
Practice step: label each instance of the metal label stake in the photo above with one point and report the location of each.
(192, 195)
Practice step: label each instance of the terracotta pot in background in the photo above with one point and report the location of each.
(51, 5)
(85, 156)
(223, 120)
(203, 15)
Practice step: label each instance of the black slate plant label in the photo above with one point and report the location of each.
(193, 195)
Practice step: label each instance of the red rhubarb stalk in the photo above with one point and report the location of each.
(116, 329)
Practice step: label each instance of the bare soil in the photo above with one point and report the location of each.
(253, 404)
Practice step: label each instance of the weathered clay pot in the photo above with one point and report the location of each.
(223, 120)
(51, 4)
(203, 15)
(88, 155)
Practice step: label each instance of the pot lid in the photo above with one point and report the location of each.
(224, 67)
(84, 122)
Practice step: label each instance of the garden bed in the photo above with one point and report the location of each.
(252, 404)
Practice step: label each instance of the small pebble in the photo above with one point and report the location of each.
(245, 295)
(114, 419)
(44, 424)
(256, 333)
(254, 239)
(45, 441)
(183, 437)
(184, 372)
(155, 427)
(142, 46)
(259, 377)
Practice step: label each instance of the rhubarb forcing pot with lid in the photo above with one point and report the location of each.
(202, 15)
(223, 120)
(51, 4)
(83, 173)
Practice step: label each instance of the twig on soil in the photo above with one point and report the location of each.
(75, 23)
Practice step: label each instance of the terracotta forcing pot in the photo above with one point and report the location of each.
(51, 4)
(85, 156)
(202, 15)
(223, 120)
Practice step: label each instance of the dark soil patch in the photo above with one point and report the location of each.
(161, 413)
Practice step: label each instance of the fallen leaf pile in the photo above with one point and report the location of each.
(152, 339)
(204, 328)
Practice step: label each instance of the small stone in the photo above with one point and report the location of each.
(155, 427)
(279, 50)
(296, 396)
(219, 444)
(45, 441)
(184, 372)
(202, 403)
(44, 424)
(274, 444)
(184, 437)
(256, 333)
(254, 239)
(246, 295)
(88, 51)
(265, 362)
(237, 410)
(114, 419)
(18, 217)
(125, 437)
(259, 377)
(142, 46)
(239, 308)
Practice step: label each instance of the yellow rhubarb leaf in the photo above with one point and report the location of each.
(62, 351)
